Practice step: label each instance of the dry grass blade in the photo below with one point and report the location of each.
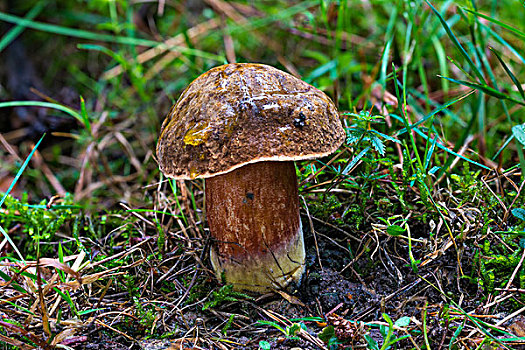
(43, 306)
(59, 266)
(118, 255)
(18, 330)
(178, 40)
(19, 344)
(114, 330)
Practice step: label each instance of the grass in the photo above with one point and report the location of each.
(415, 226)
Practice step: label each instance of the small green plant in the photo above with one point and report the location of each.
(290, 332)
(362, 131)
(41, 221)
(389, 338)
(519, 213)
(264, 345)
(328, 336)
(224, 294)
(146, 314)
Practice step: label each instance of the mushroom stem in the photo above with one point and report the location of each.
(253, 215)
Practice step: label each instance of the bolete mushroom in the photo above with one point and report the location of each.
(241, 127)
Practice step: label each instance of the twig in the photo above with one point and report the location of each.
(9, 149)
(126, 252)
(347, 234)
(115, 330)
(313, 232)
(516, 270)
(390, 296)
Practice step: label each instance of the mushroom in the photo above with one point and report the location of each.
(241, 127)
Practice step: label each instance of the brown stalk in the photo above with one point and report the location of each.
(43, 306)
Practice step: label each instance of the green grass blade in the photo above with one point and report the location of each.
(19, 28)
(62, 108)
(78, 33)
(23, 309)
(20, 171)
(442, 60)
(439, 145)
(384, 63)
(386, 341)
(437, 110)
(152, 211)
(84, 115)
(499, 23)
(2, 231)
(457, 43)
(503, 147)
(14, 284)
(504, 43)
(355, 160)
(430, 152)
(509, 72)
(402, 110)
(84, 34)
(486, 89)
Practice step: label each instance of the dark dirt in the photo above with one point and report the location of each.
(371, 286)
(362, 291)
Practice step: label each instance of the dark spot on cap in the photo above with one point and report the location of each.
(299, 122)
(249, 196)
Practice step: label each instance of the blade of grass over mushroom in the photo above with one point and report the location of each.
(84, 34)
(15, 180)
(173, 185)
(457, 44)
(14, 32)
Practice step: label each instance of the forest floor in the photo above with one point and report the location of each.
(414, 228)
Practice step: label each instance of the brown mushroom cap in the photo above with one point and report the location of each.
(244, 113)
